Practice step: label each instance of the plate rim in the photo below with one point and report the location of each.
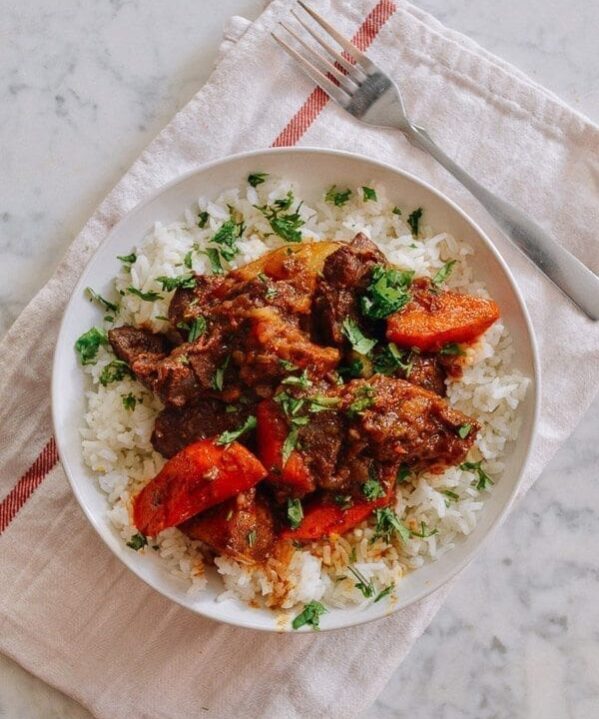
(535, 387)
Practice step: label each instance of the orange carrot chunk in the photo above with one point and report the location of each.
(200, 476)
(430, 320)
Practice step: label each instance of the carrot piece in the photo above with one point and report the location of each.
(322, 520)
(200, 476)
(429, 322)
(272, 432)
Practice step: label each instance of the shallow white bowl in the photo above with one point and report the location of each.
(313, 170)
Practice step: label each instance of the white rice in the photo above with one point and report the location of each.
(116, 441)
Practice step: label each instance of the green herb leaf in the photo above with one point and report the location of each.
(215, 260)
(464, 430)
(114, 372)
(403, 474)
(127, 259)
(295, 513)
(352, 370)
(229, 436)
(129, 401)
(146, 296)
(310, 616)
(257, 178)
(197, 328)
(366, 587)
(452, 349)
(88, 344)
(95, 297)
(363, 399)
(414, 221)
(391, 358)
(202, 220)
(137, 541)
(162, 317)
(290, 443)
(358, 340)
(185, 282)
(219, 376)
(286, 226)
(226, 237)
(344, 501)
(388, 524)
(396, 211)
(372, 488)
(322, 403)
(443, 274)
(285, 203)
(384, 593)
(187, 259)
(387, 292)
(288, 366)
(424, 531)
(302, 381)
(369, 194)
(452, 495)
(483, 480)
(337, 197)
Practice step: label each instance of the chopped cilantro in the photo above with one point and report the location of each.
(289, 366)
(483, 480)
(162, 317)
(196, 329)
(127, 259)
(366, 587)
(368, 194)
(185, 282)
(114, 372)
(384, 593)
(464, 430)
(284, 203)
(95, 297)
(229, 436)
(388, 524)
(452, 495)
(402, 474)
(129, 401)
(88, 344)
(108, 318)
(391, 358)
(215, 261)
(302, 381)
(352, 370)
(363, 399)
(286, 226)
(202, 219)
(358, 340)
(310, 615)
(322, 403)
(344, 501)
(372, 488)
(226, 238)
(137, 541)
(387, 292)
(257, 178)
(443, 274)
(424, 531)
(337, 197)
(452, 349)
(295, 513)
(219, 376)
(290, 443)
(146, 296)
(396, 211)
(183, 359)
(414, 221)
(187, 259)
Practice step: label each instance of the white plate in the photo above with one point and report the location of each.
(312, 169)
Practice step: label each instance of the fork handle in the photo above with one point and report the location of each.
(568, 273)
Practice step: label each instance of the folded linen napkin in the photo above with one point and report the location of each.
(69, 611)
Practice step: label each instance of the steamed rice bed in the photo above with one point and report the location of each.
(116, 439)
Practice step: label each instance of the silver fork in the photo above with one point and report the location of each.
(367, 93)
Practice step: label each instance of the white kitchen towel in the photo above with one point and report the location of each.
(69, 611)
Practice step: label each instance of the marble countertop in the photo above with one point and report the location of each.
(84, 87)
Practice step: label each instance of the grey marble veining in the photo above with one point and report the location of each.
(83, 87)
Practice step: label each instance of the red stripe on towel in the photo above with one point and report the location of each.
(318, 99)
(29, 482)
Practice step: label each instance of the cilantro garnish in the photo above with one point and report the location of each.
(88, 344)
(464, 430)
(414, 221)
(215, 261)
(337, 197)
(187, 259)
(372, 488)
(257, 178)
(483, 480)
(396, 211)
(184, 282)
(114, 372)
(443, 274)
(95, 297)
(229, 436)
(368, 194)
(146, 296)
(361, 344)
(310, 616)
(219, 376)
(391, 358)
(452, 349)
(402, 474)
(137, 541)
(384, 592)
(366, 587)
(129, 401)
(424, 531)
(286, 226)
(302, 381)
(387, 292)
(364, 398)
(451, 495)
(202, 220)
(388, 524)
(295, 513)
(344, 501)
(196, 329)
(352, 370)
(127, 259)
(226, 238)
